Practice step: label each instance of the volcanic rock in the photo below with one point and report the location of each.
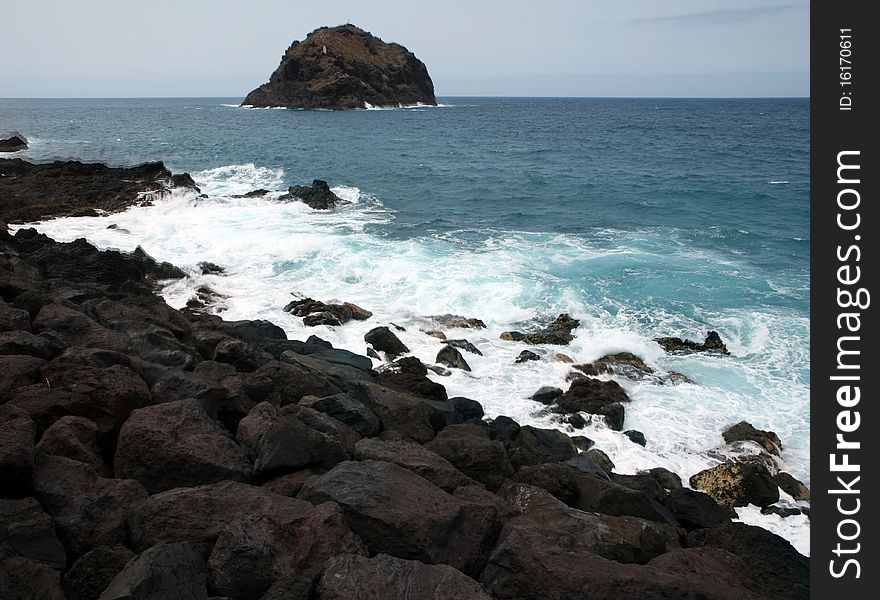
(317, 196)
(451, 357)
(384, 340)
(738, 484)
(17, 432)
(93, 572)
(13, 143)
(164, 571)
(742, 431)
(397, 512)
(345, 67)
(315, 313)
(389, 578)
(558, 332)
(675, 345)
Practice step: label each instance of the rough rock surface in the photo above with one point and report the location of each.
(738, 484)
(13, 143)
(317, 196)
(676, 345)
(345, 67)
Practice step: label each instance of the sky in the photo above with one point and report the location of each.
(655, 48)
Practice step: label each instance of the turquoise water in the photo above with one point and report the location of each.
(641, 217)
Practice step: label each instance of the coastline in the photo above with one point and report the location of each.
(106, 374)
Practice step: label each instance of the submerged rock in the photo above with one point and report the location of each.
(315, 312)
(345, 67)
(384, 340)
(558, 332)
(744, 431)
(451, 357)
(675, 345)
(318, 195)
(13, 143)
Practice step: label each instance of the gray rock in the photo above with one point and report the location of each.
(164, 572)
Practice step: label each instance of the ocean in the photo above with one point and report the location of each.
(640, 217)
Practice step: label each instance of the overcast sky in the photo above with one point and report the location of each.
(121, 48)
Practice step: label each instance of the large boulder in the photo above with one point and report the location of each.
(385, 577)
(397, 512)
(27, 531)
(77, 439)
(409, 375)
(537, 562)
(93, 572)
(451, 357)
(533, 446)
(178, 444)
(253, 555)
(773, 568)
(593, 396)
(345, 67)
(88, 510)
(13, 143)
(166, 571)
(383, 339)
(623, 539)
(198, 515)
(474, 453)
(744, 431)
(696, 510)
(418, 459)
(17, 433)
(792, 487)
(25, 579)
(345, 409)
(738, 484)
(404, 413)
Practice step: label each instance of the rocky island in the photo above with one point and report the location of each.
(345, 67)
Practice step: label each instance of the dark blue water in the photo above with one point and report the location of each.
(642, 217)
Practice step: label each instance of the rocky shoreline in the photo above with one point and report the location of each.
(148, 452)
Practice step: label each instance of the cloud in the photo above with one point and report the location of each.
(721, 16)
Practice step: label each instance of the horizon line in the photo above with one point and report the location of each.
(545, 97)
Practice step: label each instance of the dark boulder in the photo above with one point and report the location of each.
(315, 313)
(773, 568)
(409, 375)
(418, 459)
(792, 486)
(198, 515)
(178, 444)
(27, 531)
(165, 571)
(409, 415)
(346, 409)
(457, 322)
(463, 344)
(385, 577)
(558, 332)
(533, 446)
(184, 180)
(470, 410)
(675, 345)
(738, 484)
(602, 460)
(474, 453)
(526, 355)
(744, 431)
(696, 510)
(17, 433)
(625, 364)
(384, 340)
(70, 491)
(637, 437)
(25, 579)
(451, 357)
(13, 143)
(546, 394)
(77, 439)
(93, 572)
(209, 268)
(623, 539)
(604, 398)
(317, 196)
(395, 511)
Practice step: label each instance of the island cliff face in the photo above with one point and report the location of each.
(345, 67)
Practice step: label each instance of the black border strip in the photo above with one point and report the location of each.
(844, 103)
